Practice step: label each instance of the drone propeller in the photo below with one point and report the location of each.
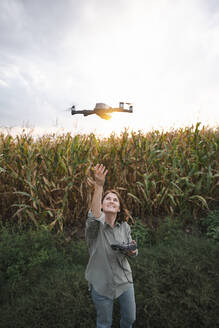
(70, 108)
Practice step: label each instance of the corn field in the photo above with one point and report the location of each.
(44, 181)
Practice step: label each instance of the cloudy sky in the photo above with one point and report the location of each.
(162, 55)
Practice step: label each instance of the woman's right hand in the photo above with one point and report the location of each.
(100, 173)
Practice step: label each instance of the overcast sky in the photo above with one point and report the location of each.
(162, 55)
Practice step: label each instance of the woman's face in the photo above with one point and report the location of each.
(111, 203)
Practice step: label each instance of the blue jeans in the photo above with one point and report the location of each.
(104, 308)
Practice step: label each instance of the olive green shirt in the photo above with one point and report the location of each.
(108, 271)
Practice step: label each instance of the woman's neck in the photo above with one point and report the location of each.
(110, 219)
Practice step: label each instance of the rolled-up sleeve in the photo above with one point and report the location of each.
(92, 226)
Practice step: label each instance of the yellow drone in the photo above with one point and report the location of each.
(103, 110)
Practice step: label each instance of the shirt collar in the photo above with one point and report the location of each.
(106, 225)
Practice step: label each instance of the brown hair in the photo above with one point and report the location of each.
(124, 214)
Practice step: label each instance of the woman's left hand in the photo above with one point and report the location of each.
(132, 253)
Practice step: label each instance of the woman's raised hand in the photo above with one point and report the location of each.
(100, 173)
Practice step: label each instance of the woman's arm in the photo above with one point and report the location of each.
(100, 174)
(96, 201)
(95, 216)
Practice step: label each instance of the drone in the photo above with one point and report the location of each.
(103, 110)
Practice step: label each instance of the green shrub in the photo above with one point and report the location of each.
(168, 229)
(58, 300)
(211, 225)
(24, 258)
(42, 281)
(177, 284)
(43, 285)
(142, 233)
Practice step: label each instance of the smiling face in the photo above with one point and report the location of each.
(111, 203)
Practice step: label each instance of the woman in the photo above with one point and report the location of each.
(108, 271)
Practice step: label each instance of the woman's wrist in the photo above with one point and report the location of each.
(98, 185)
